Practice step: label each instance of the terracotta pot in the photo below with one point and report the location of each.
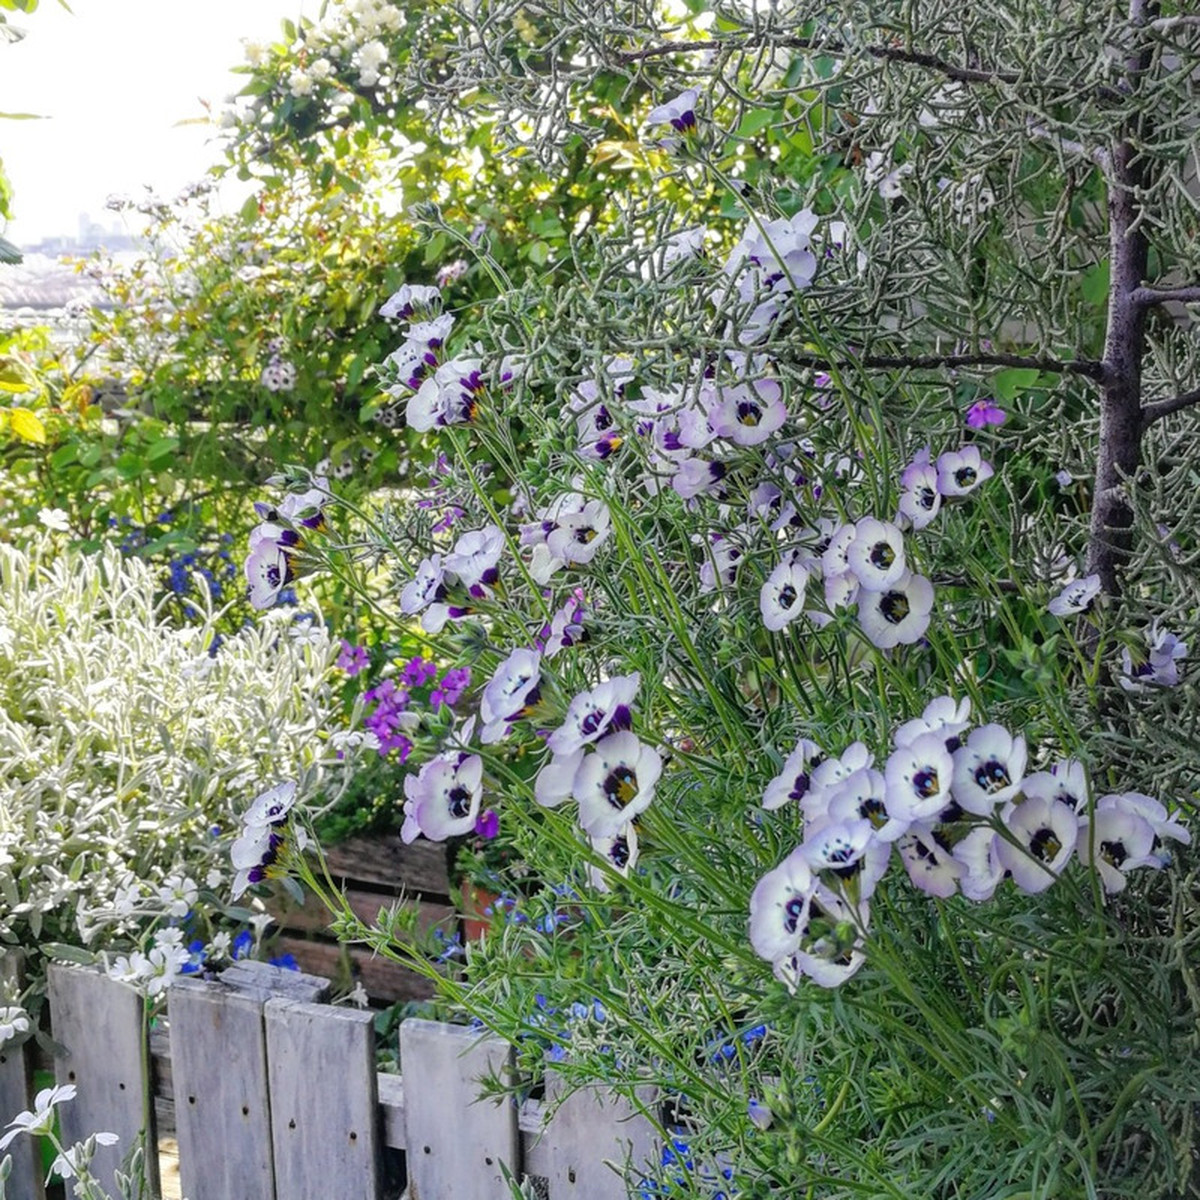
(477, 909)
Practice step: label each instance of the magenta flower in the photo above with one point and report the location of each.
(352, 659)
(487, 824)
(983, 413)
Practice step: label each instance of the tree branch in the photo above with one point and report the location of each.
(1147, 296)
(1166, 24)
(1164, 408)
(1089, 368)
(889, 53)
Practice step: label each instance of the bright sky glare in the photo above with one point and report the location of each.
(114, 79)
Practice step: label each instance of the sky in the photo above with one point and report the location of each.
(114, 79)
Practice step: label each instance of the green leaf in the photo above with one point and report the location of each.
(538, 253)
(1010, 383)
(161, 448)
(64, 456)
(756, 120)
(249, 210)
(65, 953)
(1095, 285)
(23, 117)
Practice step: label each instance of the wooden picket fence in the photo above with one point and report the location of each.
(274, 1095)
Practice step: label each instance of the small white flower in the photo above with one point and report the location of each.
(39, 1121)
(300, 83)
(943, 715)
(56, 519)
(928, 861)
(591, 714)
(620, 851)
(475, 556)
(679, 112)
(510, 694)
(982, 871)
(272, 806)
(1154, 813)
(962, 471)
(920, 500)
(781, 598)
(1046, 830)
(443, 799)
(887, 181)
(14, 1022)
(827, 775)
(876, 555)
(862, 796)
(919, 775)
(578, 536)
(425, 587)
(1076, 597)
(748, 414)
(898, 615)
(555, 780)
(830, 949)
(988, 769)
(792, 783)
(615, 783)
(845, 853)
(1115, 840)
(779, 908)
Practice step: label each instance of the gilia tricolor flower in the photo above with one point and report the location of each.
(781, 598)
(615, 783)
(793, 782)
(444, 799)
(898, 614)
(988, 769)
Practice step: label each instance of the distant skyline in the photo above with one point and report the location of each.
(115, 79)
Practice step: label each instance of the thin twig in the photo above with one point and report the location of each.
(1098, 154)
(1164, 408)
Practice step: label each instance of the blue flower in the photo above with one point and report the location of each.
(243, 944)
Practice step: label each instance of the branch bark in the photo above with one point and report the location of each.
(1110, 532)
(915, 58)
(1148, 296)
(1164, 408)
(1089, 368)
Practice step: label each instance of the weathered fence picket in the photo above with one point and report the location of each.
(16, 1094)
(321, 1063)
(276, 1097)
(102, 1025)
(222, 1113)
(455, 1141)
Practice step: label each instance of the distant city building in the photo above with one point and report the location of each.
(46, 281)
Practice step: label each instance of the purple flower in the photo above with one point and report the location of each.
(450, 687)
(449, 516)
(983, 413)
(487, 825)
(418, 671)
(352, 659)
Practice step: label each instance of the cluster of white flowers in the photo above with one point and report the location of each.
(962, 814)
(126, 744)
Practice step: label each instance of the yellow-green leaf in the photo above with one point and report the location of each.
(26, 424)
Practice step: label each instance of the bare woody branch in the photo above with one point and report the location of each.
(1088, 368)
(1164, 408)
(1147, 296)
(915, 58)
